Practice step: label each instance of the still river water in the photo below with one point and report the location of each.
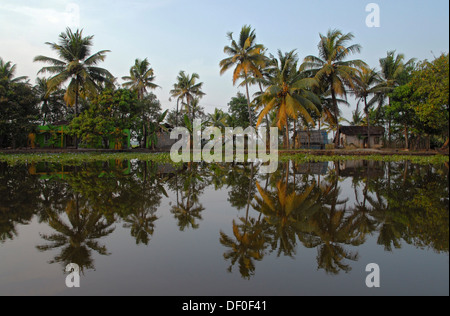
(139, 228)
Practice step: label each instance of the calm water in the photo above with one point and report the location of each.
(138, 228)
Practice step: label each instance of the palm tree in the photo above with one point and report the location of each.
(52, 104)
(367, 83)
(141, 78)
(75, 65)
(246, 56)
(332, 69)
(289, 93)
(8, 70)
(218, 119)
(187, 88)
(392, 75)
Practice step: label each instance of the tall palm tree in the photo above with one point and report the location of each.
(187, 88)
(141, 78)
(246, 56)
(392, 75)
(52, 104)
(8, 71)
(75, 65)
(332, 68)
(367, 83)
(289, 93)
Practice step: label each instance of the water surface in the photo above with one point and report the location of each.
(141, 228)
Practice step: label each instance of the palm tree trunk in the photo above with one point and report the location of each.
(76, 115)
(248, 103)
(366, 110)
(287, 134)
(336, 114)
(406, 137)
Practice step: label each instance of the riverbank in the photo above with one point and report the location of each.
(73, 156)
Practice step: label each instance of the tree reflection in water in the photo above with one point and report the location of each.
(301, 205)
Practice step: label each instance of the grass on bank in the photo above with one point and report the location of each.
(164, 158)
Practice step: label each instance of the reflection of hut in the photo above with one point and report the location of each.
(357, 136)
(312, 139)
(316, 168)
(361, 168)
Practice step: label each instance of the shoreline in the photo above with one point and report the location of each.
(313, 152)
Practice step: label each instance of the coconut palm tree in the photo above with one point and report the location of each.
(141, 78)
(367, 83)
(289, 93)
(246, 57)
(393, 70)
(75, 66)
(8, 71)
(52, 104)
(187, 88)
(332, 69)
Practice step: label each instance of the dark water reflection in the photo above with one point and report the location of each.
(336, 210)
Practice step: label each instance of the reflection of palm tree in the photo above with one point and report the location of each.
(78, 237)
(189, 209)
(248, 246)
(390, 226)
(142, 225)
(284, 212)
(187, 212)
(331, 229)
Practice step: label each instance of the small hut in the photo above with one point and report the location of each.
(312, 139)
(358, 136)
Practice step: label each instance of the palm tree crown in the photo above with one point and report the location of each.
(331, 66)
(187, 88)
(246, 56)
(75, 65)
(289, 92)
(8, 70)
(141, 78)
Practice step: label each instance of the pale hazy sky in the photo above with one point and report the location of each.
(190, 35)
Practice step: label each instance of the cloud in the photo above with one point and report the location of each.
(69, 17)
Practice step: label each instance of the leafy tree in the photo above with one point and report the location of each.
(401, 110)
(109, 114)
(239, 115)
(430, 83)
(18, 113)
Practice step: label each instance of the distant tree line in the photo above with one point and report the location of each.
(408, 97)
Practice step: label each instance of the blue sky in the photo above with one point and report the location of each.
(190, 35)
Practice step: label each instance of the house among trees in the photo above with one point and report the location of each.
(57, 135)
(358, 136)
(312, 139)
